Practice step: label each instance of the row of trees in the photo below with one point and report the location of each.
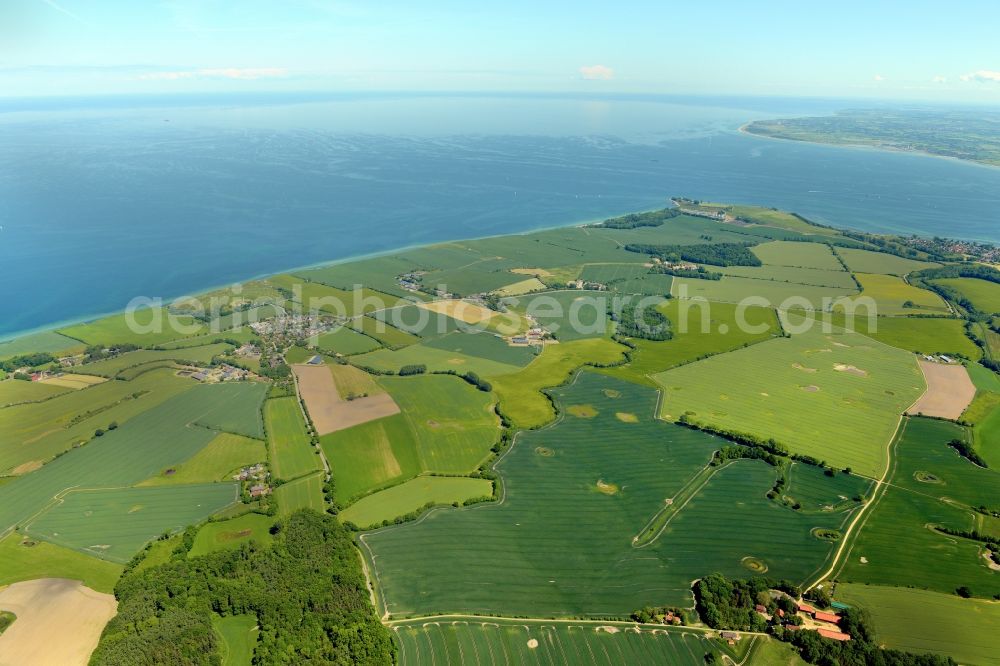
(646, 323)
(700, 273)
(307, 592)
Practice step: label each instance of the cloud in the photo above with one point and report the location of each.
(983, 76)
(940, 79)
(597, 73)
(879, 77)
(242, 73)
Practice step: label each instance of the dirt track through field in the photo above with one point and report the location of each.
(328, 411)
(59, 621)
(949, 391)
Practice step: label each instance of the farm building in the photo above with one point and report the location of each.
(834, 635)
(832, 618)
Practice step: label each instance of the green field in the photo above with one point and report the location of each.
(866, 261)
(153, 327)
(569, 315)
(115, 524)
(893, 296)
(560, 543)
(811, 276)
(924, 335)
(985, 296)
(40, 559)
(412, 495)
(627, 278)
(489, 642)
(520, 393)
(318, 297)
(13, 391)
(241, 415)
(33, 433)
(454, 424)
(302, 493)
(291, 452)
(984, 378)
(218, 461)
(378, 273)
(46, 341)
(986, 433)
(239, 636)
(112, 366)
(798, 254)
(784, 295)
(371, 455)
(758, 389)
(137, 450)
(436, 360)
(931, 485)
(389, 336)
(232, 533)
(483, 346)
(346, 341)
(919, 621)
(709, 329)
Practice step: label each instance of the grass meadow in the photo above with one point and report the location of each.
(924, 335)
(835, 397)
(985, 295)
(560, 542)
(14, 391)
(27, 559)
(520, 393)
(291, 452)
(817, 277)
(866, 261)
(776, 294)
(140, 448)
(303, 493)
(239, 636)
(115, 330)
(919, 621)
(371, 455)
(340, 302)
(218, 461)
(115, 524)
(232, 533)
(346, 341)
(33, 433)
(113, 366)
(798, 254)
(435, 359)
(412, 495)
(45, 341)
(721, 333)
(891, 294)
(390, 336)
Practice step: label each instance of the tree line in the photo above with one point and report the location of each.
(715, 254)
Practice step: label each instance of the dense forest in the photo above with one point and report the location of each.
(646, 323)
(718, 254)
(729, 604)
(306, 590)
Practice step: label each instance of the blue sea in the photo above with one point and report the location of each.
(105, 199)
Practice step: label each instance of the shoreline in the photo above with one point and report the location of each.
(865, 146)
(83, 319)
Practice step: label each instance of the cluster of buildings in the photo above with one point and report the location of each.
(296, 326)
(257, 476)
(940, 358)
(410, 281)
(584, 284)
(675, 265)
(825, 624)
(247, 351)
(219, 373)
(985, 252)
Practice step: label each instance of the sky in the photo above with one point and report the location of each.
(886, 49)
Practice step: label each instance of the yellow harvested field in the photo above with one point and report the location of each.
(949, 391)
(539, 272)
(522, 287)
(470, 313)
(328, 411)
(59, 621)
(74, 381)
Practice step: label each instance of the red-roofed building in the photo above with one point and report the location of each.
(834, 635)
(806, 608)
(792, 627)
(760, 608)
(832, 618)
